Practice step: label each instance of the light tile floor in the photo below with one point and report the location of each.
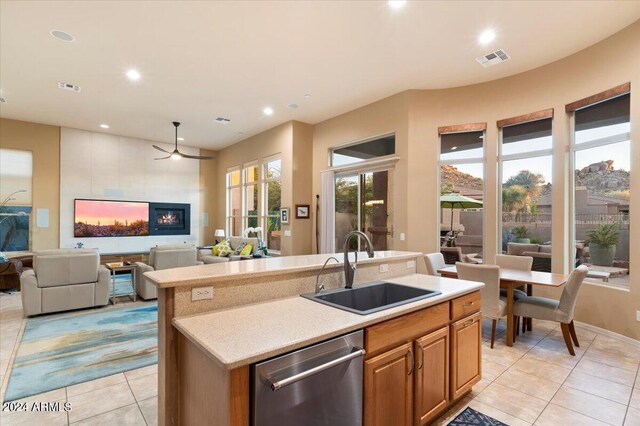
(534, 382)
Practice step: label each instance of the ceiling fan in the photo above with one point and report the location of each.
(175, 154)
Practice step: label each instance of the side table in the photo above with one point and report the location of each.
(114, 267)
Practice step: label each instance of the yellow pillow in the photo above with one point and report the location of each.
(225, 249)
(247, 250)
(216, 249)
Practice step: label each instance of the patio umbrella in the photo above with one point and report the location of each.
(454, 200)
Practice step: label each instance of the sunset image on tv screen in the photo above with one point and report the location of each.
(95, 218)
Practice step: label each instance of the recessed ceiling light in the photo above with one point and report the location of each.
(133, 75)
(241, 133)
(307, 96)
(487, 36)
(267, 111)
(396, 4)
(180, 139)
(104, 126)
(293, 106)
(61, 35)
(453, 148)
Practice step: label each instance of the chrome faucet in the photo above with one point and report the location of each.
(350, 271)
(319, 285)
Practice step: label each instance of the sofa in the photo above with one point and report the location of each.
(62, 280)
(163, 257)
(234, 242)
(541, 254)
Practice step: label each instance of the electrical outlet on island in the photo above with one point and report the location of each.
(201, 293)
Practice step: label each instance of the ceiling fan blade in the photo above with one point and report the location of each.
(196, 157)
(163, 158)
(161, 149)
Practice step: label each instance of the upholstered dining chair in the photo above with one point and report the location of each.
(434, 261)
(519, 263)
(493, 306)
(556, 310)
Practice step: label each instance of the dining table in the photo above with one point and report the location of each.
(513, 278)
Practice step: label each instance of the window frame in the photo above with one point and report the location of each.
(474, 160)
(264, 182)
(547, 152)
(229, 190)
(362, 141)
(573, 149)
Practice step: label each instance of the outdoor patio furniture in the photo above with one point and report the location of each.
(452, 255)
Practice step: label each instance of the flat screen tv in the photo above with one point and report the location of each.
(101, 218)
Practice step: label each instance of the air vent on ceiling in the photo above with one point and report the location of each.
(493, 58)
(223, 120)
(69, 86)
(2, 100)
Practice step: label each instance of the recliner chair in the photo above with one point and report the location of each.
(163, 257)
(64, 279)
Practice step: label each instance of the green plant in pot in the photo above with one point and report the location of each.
(522, 234)
(602, 243)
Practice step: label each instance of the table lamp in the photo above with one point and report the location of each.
(219, 233)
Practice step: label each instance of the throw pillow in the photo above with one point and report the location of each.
(216, 249)
(239, 249)
(225, 249)
(247, 250)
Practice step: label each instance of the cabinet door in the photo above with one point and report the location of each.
(431, 376)
(466, 357)
(388, 388)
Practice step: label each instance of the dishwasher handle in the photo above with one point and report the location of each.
(358, 352)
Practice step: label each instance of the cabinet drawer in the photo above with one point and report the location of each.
(465, 305)
(406, 328)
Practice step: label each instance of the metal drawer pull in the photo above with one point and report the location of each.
(411, 363)
(468, 323)
(421, 357)
(358, 352)
(468, 304)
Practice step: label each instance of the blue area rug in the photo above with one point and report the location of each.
(65, 349)
(471, 417)
(123, 285)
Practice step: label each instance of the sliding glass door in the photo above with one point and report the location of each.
(363, 202)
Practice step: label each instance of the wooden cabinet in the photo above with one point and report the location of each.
(431, 376)
(419, 364)
(388, 387)
(466, 355)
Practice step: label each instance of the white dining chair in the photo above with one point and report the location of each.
(493, 306)
(556, 310)
(519, 263)
(434, 262)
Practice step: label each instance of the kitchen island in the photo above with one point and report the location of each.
(207, 346)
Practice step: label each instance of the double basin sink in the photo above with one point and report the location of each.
(373, 297)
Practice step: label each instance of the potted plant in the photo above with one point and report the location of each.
(602, 243)
(522, 234)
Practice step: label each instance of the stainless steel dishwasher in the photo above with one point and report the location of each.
(317, 385)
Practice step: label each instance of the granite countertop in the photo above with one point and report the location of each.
(205, 274)
(240, 336)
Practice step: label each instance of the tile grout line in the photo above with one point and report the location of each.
(633, 389)
(135, 399)
(499, 375)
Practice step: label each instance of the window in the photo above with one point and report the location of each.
(254, 199)
(16, 172)
(601, 152)
(234, 203)
(362, 151)
(462, 178)
(250, 186)
(273, 196)
(526, 167)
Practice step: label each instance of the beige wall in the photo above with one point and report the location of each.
(416, 115)
(209, 188)
(44, 142)
(291, 142)
(390, 115)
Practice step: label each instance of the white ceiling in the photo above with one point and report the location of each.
(201, 60)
